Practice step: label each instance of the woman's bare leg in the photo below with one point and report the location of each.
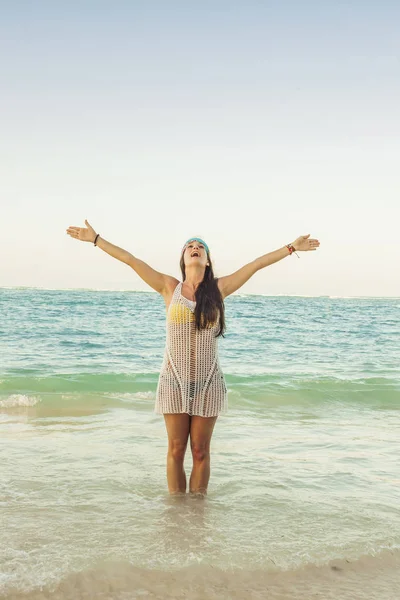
(178, 427)
(201, 429)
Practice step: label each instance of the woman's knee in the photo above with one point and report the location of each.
(177, 449)
(200, 452)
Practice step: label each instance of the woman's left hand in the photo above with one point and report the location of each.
(304, 242)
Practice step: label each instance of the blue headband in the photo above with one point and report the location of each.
(197, 240)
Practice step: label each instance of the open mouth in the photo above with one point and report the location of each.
(195, 254)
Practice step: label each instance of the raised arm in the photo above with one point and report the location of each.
(158, 281)
(230, 283)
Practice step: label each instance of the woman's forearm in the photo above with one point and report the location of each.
(271, 257)
(112, 250)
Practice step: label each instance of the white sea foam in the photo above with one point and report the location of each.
(18, 400)
(131, 397)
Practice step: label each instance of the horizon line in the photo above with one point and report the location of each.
(29, 287)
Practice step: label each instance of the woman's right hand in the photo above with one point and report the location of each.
(84, 234)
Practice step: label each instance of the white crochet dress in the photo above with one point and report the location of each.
(191, 380)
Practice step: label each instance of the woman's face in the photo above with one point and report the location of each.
(195, 253)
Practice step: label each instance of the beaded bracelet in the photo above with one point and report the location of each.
(291, 249)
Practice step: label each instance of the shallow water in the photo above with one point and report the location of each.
(304, 466)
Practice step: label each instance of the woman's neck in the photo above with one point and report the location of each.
(193, 280)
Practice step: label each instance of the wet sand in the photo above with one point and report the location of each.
(367, 578)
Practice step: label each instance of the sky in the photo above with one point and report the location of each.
(245, 123)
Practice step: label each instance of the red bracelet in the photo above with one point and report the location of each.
(291, 249)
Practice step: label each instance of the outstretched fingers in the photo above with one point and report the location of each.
(74, 231)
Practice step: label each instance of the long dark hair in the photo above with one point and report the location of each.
(209, 301)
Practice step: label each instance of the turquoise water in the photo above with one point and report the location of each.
(304, 466)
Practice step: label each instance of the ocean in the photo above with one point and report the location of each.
(304, 494)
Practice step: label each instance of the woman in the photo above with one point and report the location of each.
(191, 390)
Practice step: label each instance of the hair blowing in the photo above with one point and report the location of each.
(209, 301)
